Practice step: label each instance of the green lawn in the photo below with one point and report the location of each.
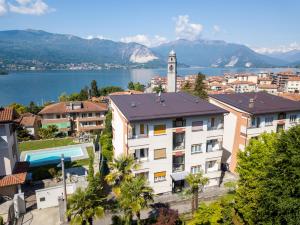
(41, 144)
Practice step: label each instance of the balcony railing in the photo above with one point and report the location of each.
(178, 147)
(178, 168)
(137, 136)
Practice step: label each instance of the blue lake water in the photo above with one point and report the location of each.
(23, 87)
(37, 158)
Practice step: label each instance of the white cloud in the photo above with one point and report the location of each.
(216, 29)
(281, 48)
(3, 8)
(30, 7)
(89, 37)
(186, 30)
(145, 40)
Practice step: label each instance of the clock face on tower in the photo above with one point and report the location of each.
(171, 68)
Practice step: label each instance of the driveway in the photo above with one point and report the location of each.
(47, 216)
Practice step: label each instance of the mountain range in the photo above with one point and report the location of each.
(36, 46)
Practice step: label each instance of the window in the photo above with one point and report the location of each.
(196, 169)
(57, 116)
(141, 154)
(212, 145)
(211, 164)
(160, 153)
(197, 125)
(159, 129)
(90, 114)
(293, 118)
(196, 148)
(64, 116)
(142, 128)
(83, 115)
(42, 199)
(160, 176)
(212, 122)
(269, 121)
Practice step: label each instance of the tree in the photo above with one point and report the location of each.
(63, 97)
(167, 216)
(94, 89)
(200, 87)
(130, 85)
(109, 89)
(269, 186)
(91, 166)
(23, 134)
(83, 208)
(48, 132)
(158, 89)
(187, 87)
(134, 196)
(19, 108)
(83, 94)
(121, 170)
(196, 184)
(33, 108)
(136, 86)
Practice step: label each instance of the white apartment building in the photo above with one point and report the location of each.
(252, 114)
(292, 85)
(171, 135)
(243, 86)
(12, 172)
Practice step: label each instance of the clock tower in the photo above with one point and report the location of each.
(172, 72)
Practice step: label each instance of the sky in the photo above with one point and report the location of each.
(263, 25)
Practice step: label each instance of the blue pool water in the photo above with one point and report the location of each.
(52, 156)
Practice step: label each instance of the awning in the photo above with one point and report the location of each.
(179, 176)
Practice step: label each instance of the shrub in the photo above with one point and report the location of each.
(1, 220)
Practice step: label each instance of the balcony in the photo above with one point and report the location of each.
(178, 141)
(178, 168)
(138, 136)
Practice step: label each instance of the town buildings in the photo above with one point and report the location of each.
(12, 172)
(252, 114)
(79, 116)
(292, 85)
(171, 135)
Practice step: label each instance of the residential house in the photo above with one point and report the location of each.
(31, 123)
(243, 86)
(171, 135)
(281, 78)
(80, 116)
(252, 114)
(12, 172)
(269, 88)
(292, 85)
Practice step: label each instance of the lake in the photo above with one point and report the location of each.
(23, 87)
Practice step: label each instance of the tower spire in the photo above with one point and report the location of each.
(172, 72)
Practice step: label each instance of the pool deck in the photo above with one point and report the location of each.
(82, 146)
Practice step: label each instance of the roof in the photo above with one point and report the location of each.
(267, 86)
(18, 176)
(7, 115)
(294, 79)
(28, 119)
(263, 102)
(129, 92)
(291, 96)
(237, 82)
(61, 108)
(168, 105)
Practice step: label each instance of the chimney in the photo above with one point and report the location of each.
(251, 102)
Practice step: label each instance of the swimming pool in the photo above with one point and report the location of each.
(51, 156)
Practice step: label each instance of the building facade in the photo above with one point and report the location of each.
(170, 135)
(82, 116)
(12, 172)
(252, 114)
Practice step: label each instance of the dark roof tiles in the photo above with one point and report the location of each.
(168, 105)
(263, 102)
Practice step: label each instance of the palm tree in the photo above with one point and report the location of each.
(121, 170)
(134, 196)
(83, 208)
(196, 184)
